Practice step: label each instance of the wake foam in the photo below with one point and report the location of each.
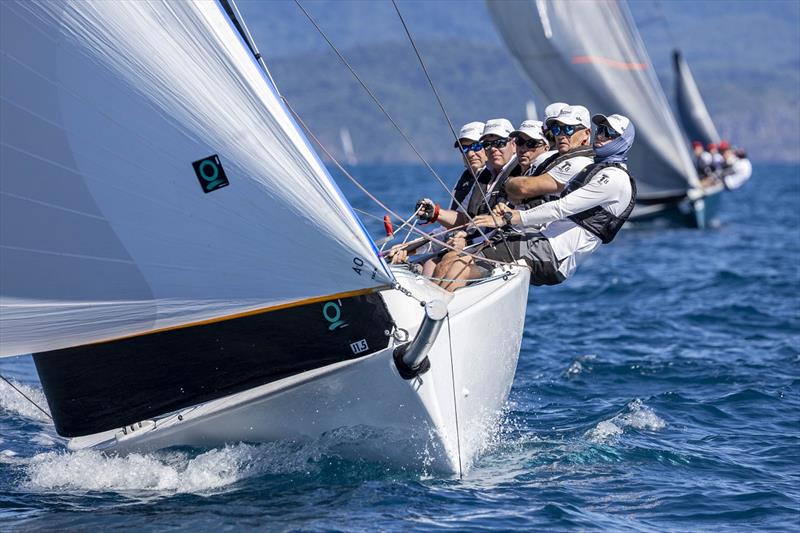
(170, 472)
(191, 471)
(14, 403)
(637, 416)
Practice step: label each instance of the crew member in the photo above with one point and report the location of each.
(559, 235)
(571, 130)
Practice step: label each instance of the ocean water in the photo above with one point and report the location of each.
(657, 390)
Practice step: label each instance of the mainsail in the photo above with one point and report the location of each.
(590, 53)
(692, 110)
(152, 178)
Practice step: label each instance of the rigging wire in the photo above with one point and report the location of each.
(447, 118)
(388, 116)
(36, 405)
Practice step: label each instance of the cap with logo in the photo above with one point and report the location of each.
(554, 109)
(471, 132)
(571, 115)
(618, 123)
(531, 128)
(497, 126)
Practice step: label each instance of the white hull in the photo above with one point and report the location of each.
(441, 420)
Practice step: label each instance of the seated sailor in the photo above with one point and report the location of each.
(571, 130)
(532, 150)
(558, 235)
(474, 158)
(499, 160)
(552, 111)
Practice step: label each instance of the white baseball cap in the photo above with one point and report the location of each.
(497, 126)
(572, 115)
(471, 132)
(618, 123)
(531, 128)
(554, 109)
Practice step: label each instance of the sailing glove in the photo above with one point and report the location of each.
(426, 210)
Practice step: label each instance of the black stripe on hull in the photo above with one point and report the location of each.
(108, 385)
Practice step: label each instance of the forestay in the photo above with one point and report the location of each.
(692, 110)
(118, 121)
(590, 53)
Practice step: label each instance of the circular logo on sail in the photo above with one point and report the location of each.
(332, 311)
(210, 173)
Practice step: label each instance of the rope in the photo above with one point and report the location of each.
(446, 117)
(372, 196)
(36, 405)
(455, 397)
(388, 116)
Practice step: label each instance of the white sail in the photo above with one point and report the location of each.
(347, 146)
(530, 111)
(105, 228)
(589, 53)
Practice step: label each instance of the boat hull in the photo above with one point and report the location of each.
(440, 420)
(699, 213)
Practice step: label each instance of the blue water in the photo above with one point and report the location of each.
(657, 390)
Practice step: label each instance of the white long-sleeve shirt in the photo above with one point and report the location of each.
(610, 188)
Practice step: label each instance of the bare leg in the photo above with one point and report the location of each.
(444, 265)
(462, 270)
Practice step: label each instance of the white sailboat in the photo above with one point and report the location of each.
(697, 124)
(590, 53)
(186, 272)
(347, 146)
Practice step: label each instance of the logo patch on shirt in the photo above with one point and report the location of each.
(565, 166)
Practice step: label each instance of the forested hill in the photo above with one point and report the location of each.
(745, 56)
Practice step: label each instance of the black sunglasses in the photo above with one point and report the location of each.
(497, 143)
(530, 143)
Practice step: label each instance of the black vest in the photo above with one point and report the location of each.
(476, 206)
(596, 220)
(544, 167)
(462, 188)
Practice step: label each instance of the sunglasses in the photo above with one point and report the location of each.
(474, 147)
(497, 143)
(530, 143)
(569, 131)
(606, 131)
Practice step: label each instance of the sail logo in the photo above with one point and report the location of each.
(210, 173)
(332, 311)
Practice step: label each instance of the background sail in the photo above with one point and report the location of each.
(692, 110)
(590, 53)
(105, 228)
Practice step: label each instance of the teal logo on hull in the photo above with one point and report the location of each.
(332, 311)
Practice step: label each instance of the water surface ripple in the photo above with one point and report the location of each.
(658, 390)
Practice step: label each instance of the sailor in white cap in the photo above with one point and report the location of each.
(573, 135)
(532, 147)
(552, 111)
(474, 160)
(474, 157)
(590, 211)
(500, 159)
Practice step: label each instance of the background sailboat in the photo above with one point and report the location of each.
(591, 53)
(692, 111)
